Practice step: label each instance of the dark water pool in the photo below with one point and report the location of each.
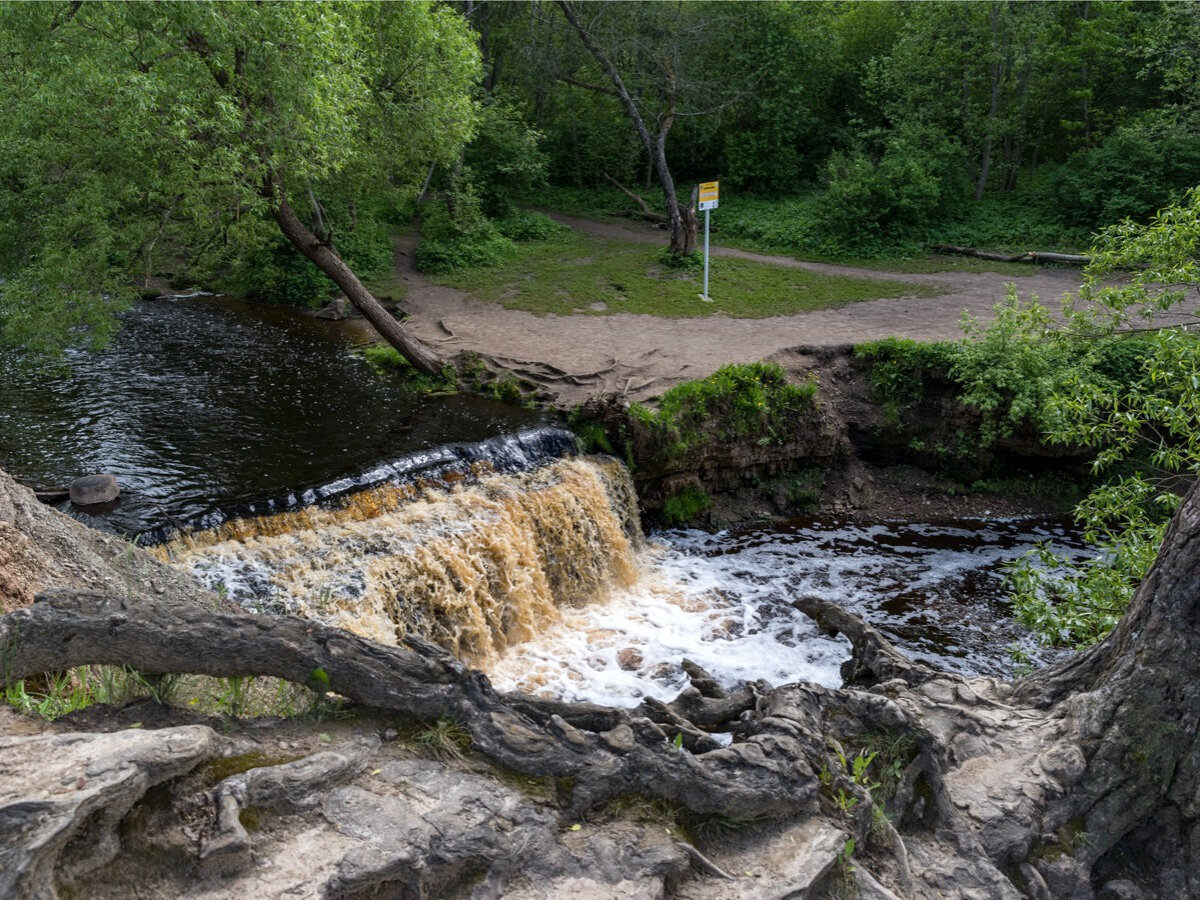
(202, 403)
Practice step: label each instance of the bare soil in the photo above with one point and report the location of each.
(574, 358)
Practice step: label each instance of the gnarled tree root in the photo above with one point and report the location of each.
(1079, 776)
(770, 773)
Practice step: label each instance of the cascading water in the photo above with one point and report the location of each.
(466, 555)
(529, 562)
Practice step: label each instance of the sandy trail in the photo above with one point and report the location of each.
(640, 356)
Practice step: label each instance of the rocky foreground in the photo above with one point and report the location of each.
(1079, 781)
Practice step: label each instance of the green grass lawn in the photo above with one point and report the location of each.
(783, 227)
(585, 275)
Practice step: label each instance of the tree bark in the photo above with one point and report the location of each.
(682, 220)
(327, 259)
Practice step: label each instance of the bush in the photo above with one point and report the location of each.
(686, 505)
(910, 176)
(276, 272)
(900, 368)
(735, 402)
(461, 239)
(1134, 172)
(525, 225)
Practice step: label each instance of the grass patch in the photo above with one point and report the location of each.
(585, 275)
(386, 360)
(733, 403)
(67, 692)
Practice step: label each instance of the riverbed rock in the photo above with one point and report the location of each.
(336, 311)
(92, 489)
(63, 796)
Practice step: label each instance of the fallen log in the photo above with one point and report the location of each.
(1025, 256)
(646, 212)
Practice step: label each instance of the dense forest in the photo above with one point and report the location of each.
(838, 130)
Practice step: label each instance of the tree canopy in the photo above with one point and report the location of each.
(135, 132)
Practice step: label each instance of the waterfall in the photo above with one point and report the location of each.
(478, 552)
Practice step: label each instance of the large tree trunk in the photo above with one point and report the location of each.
(327, 259)
(1080, 777)
(682, 220)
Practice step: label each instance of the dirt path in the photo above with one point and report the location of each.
(577, 357)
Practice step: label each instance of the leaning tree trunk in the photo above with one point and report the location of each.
(327, 259)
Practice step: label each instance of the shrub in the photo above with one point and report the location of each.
(908, 177)
(526, 225)
(276, 272)
(505, 157)
(900, 368)
(685, 506)
(462, 241)
(1135, 171)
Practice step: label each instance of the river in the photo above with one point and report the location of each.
(527, 564)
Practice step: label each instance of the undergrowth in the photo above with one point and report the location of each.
(61, 693)
(686, 505)
(386, 359)
(752, 400)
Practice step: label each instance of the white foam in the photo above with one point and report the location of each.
(723, 601)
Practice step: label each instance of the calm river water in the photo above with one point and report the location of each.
(202, 403)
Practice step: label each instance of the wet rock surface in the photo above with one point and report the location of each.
(92, 490)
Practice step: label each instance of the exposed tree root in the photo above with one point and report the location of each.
(1076, 777)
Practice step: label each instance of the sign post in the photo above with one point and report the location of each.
(708, 201)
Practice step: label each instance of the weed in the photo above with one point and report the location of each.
(386, 360)
(900, 369)
(734, 403)
(443, 739)
(685, 506)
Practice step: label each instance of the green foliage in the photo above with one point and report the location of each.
(525, 225)
(137, 133)
(734, 403)
(386, 359)
(456, 233)
(686, 506)
(904, 183)
(1010, 368)
(681, 262)
(505, 158)
(1135, 171)
(1145, 430)
(900, 368)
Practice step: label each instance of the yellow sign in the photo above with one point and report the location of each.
(708, 194)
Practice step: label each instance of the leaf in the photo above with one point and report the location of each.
(679, 739)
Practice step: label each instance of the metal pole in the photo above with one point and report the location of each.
(706, 254)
